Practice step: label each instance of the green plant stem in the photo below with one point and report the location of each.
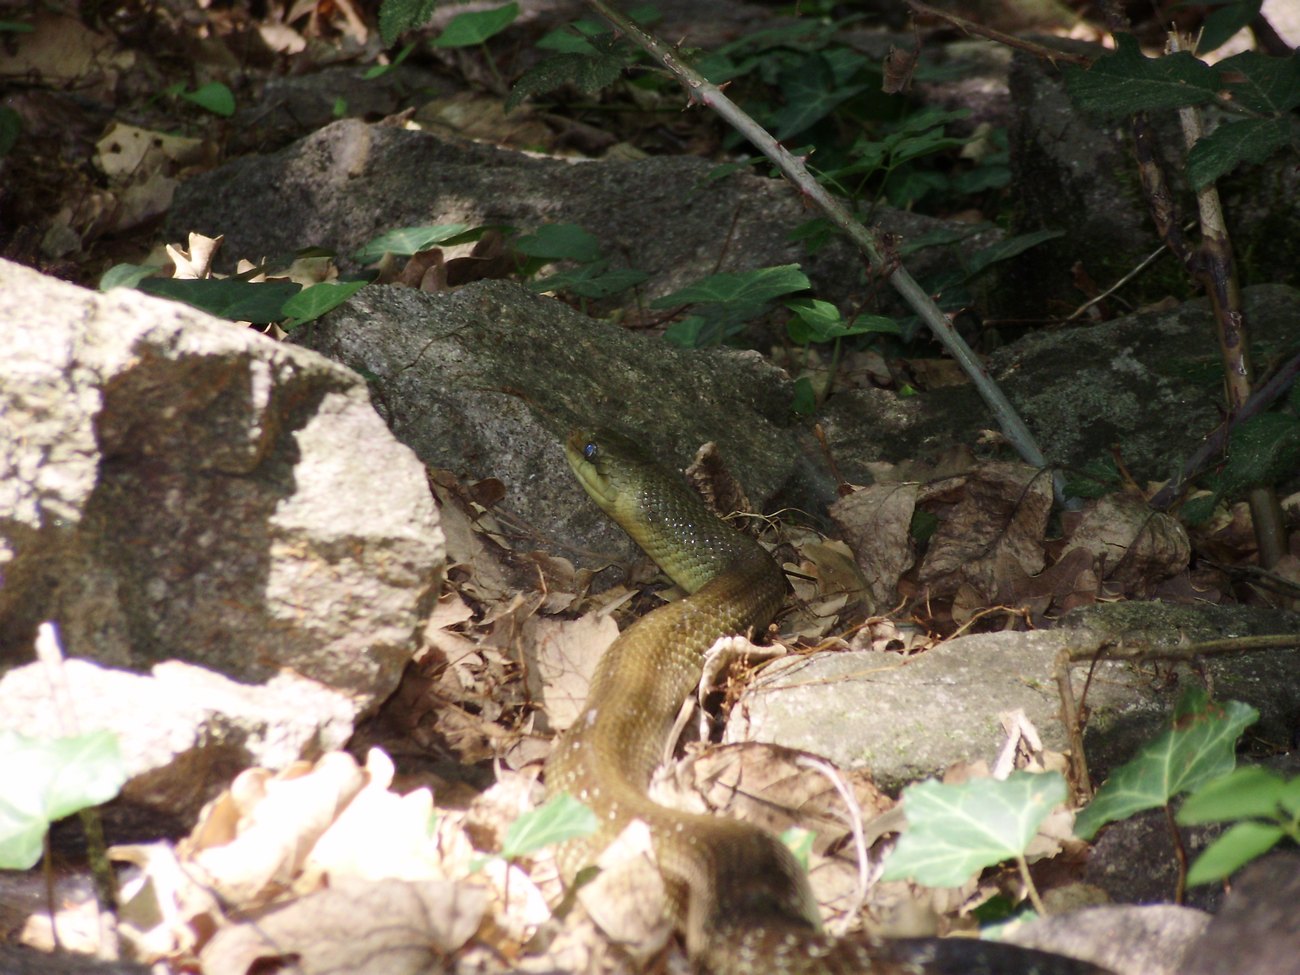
(1030, 889)
(1180, 854)
(699, 89)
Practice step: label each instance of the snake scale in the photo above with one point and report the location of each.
(735, 891)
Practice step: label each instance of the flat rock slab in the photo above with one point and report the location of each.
(909, 718)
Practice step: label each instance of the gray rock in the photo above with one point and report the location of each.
(487, 380)
(1127, 939)
(1258, 930)
(908, 718)
(1145, 381)
(349, 182)
(173, 487)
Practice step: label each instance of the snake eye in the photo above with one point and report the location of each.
(589, 451)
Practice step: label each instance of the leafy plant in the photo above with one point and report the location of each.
(955, 831)
(1265, 808)
(558, 820)
(1200, 746)
(46, 779)
(214, 96)
(723, 303)
(1260, 90)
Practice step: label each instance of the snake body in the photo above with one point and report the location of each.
(735, 891)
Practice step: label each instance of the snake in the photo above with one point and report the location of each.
(737, 894)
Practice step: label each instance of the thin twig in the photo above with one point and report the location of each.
(700, 90)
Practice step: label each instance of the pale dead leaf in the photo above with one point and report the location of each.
(769, 786)
(562, 656)
(195, 263)
(519, 907)
(277, 829)
(380, 834)
(162, 907)
(361, 927)
(626, 900)
(712, 480)
(129, 154)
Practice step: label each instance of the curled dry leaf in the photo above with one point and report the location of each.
(772, 787)
(278, 820)
(626, 900)
(1135, 547)
(876, 522)
(379, 834)
(993, 534)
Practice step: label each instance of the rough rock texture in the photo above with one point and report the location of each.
(1074, 173)
(183, 730)
(487, 380)
(1258, 930)
(1148, 382)
(908, 718)
(176, 488)
(1126, 939)
(349, 182)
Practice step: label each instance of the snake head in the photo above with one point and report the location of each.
(609, 465)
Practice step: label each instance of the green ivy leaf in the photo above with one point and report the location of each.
(310, 303)
(1125, 82)
(473, 28)
(1005, 249)
(230, 298)
(215, 97)
(125, 276)
(1200, 747)
(586, 72)
(820, 321)
(954, 831)
(406, 241)
(45, 779)
(810, 92)
(1234, 849)
(559, 819)
(1262, 450)
(560, 242)
(1263, 84)
(1233, 143)
(1241, 794)
(594, 281)
(743, 287)
(1221, 24)
(11, 127)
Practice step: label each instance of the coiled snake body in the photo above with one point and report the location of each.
(736, 892)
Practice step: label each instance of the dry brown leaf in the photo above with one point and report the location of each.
(876, 522)
(129, 154)
(561, 657)
(626, 899)
(195, 263)
(361, 927)
(379, 834)
(773, 787)
(993, 535)
(709, 475)
(1135, 547)
(162, 908)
